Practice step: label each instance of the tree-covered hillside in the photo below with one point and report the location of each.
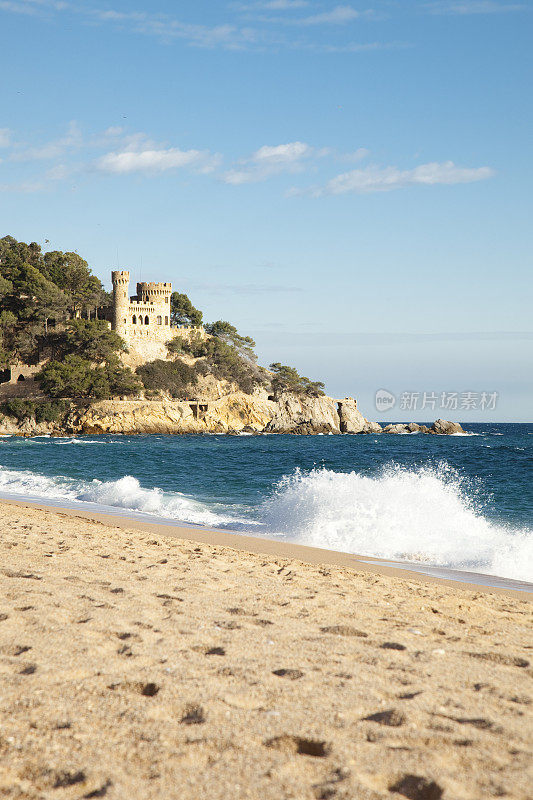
(37, 288)
(48, 305)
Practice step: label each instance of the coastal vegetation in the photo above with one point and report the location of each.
(50, 303)
(287, 379)
(182, 311)
(37, 291)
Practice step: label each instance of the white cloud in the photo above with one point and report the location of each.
(468, 7)
(339, 15)
(385, 179)
(72, 139)
(271, 5)
(270, 160)
(155, 161)
(5, 137)
(231, 35)
(25, 187)
(32, 7)
(357, 155)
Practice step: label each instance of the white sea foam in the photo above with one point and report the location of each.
(425, 515)
(126, 493)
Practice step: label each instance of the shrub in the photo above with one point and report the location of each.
(20, 409)
(77, 377)
(174, 377)
(50, 411)
(225, 363)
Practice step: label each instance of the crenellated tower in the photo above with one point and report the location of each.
(153, 292)
(121, 301)
(144, 320)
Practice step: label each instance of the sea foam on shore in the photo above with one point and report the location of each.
(423, 515)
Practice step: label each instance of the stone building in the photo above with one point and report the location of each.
(143, 320)
(145, 315)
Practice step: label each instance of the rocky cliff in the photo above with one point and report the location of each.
(234, 412)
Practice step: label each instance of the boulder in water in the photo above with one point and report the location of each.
(445, 427)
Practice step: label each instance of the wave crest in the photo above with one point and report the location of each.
(429, 515)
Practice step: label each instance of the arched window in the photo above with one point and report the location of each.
(146, 321)
(134, 320)
(159, 320)
(140, 319)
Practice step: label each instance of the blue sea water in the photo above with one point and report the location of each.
(463, 502)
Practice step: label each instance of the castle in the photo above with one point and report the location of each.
(143, 316)
(143, 320)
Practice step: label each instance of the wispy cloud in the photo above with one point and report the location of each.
(228, 35)
(312, 338)
(49, 150)
(24, 187)
(468, 7)
(271, 5)
(269, 161)
(5, 137)
(242, 288)
(153, 161)
(115, 152)
(386, 179)
(339, 15)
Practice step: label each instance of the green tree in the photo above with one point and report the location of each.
(75, 376)
(287, 379)
(92, 339)
(174, 377)
(182, 311)
(228, 333)
(72, 273)
(72, 377)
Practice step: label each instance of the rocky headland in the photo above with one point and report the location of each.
(234, 412)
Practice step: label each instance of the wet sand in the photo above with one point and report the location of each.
(146, 662)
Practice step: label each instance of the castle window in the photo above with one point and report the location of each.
(160, 320)
(134, 320)
(166, 320)
(140, 319)
(146, 321)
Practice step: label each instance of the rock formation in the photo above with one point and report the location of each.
(233, 412)
(440, 426)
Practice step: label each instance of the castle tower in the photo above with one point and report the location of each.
(156, 293)
(121, 301)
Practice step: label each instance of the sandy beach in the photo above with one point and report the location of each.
(145, 665)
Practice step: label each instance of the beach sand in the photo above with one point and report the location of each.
(139, 665)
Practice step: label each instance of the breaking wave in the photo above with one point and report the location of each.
(427, 515)
(125, 493)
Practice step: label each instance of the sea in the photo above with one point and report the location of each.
(462, 502)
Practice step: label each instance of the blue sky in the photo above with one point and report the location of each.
(349, 183)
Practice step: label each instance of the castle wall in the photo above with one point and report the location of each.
(146, 340)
